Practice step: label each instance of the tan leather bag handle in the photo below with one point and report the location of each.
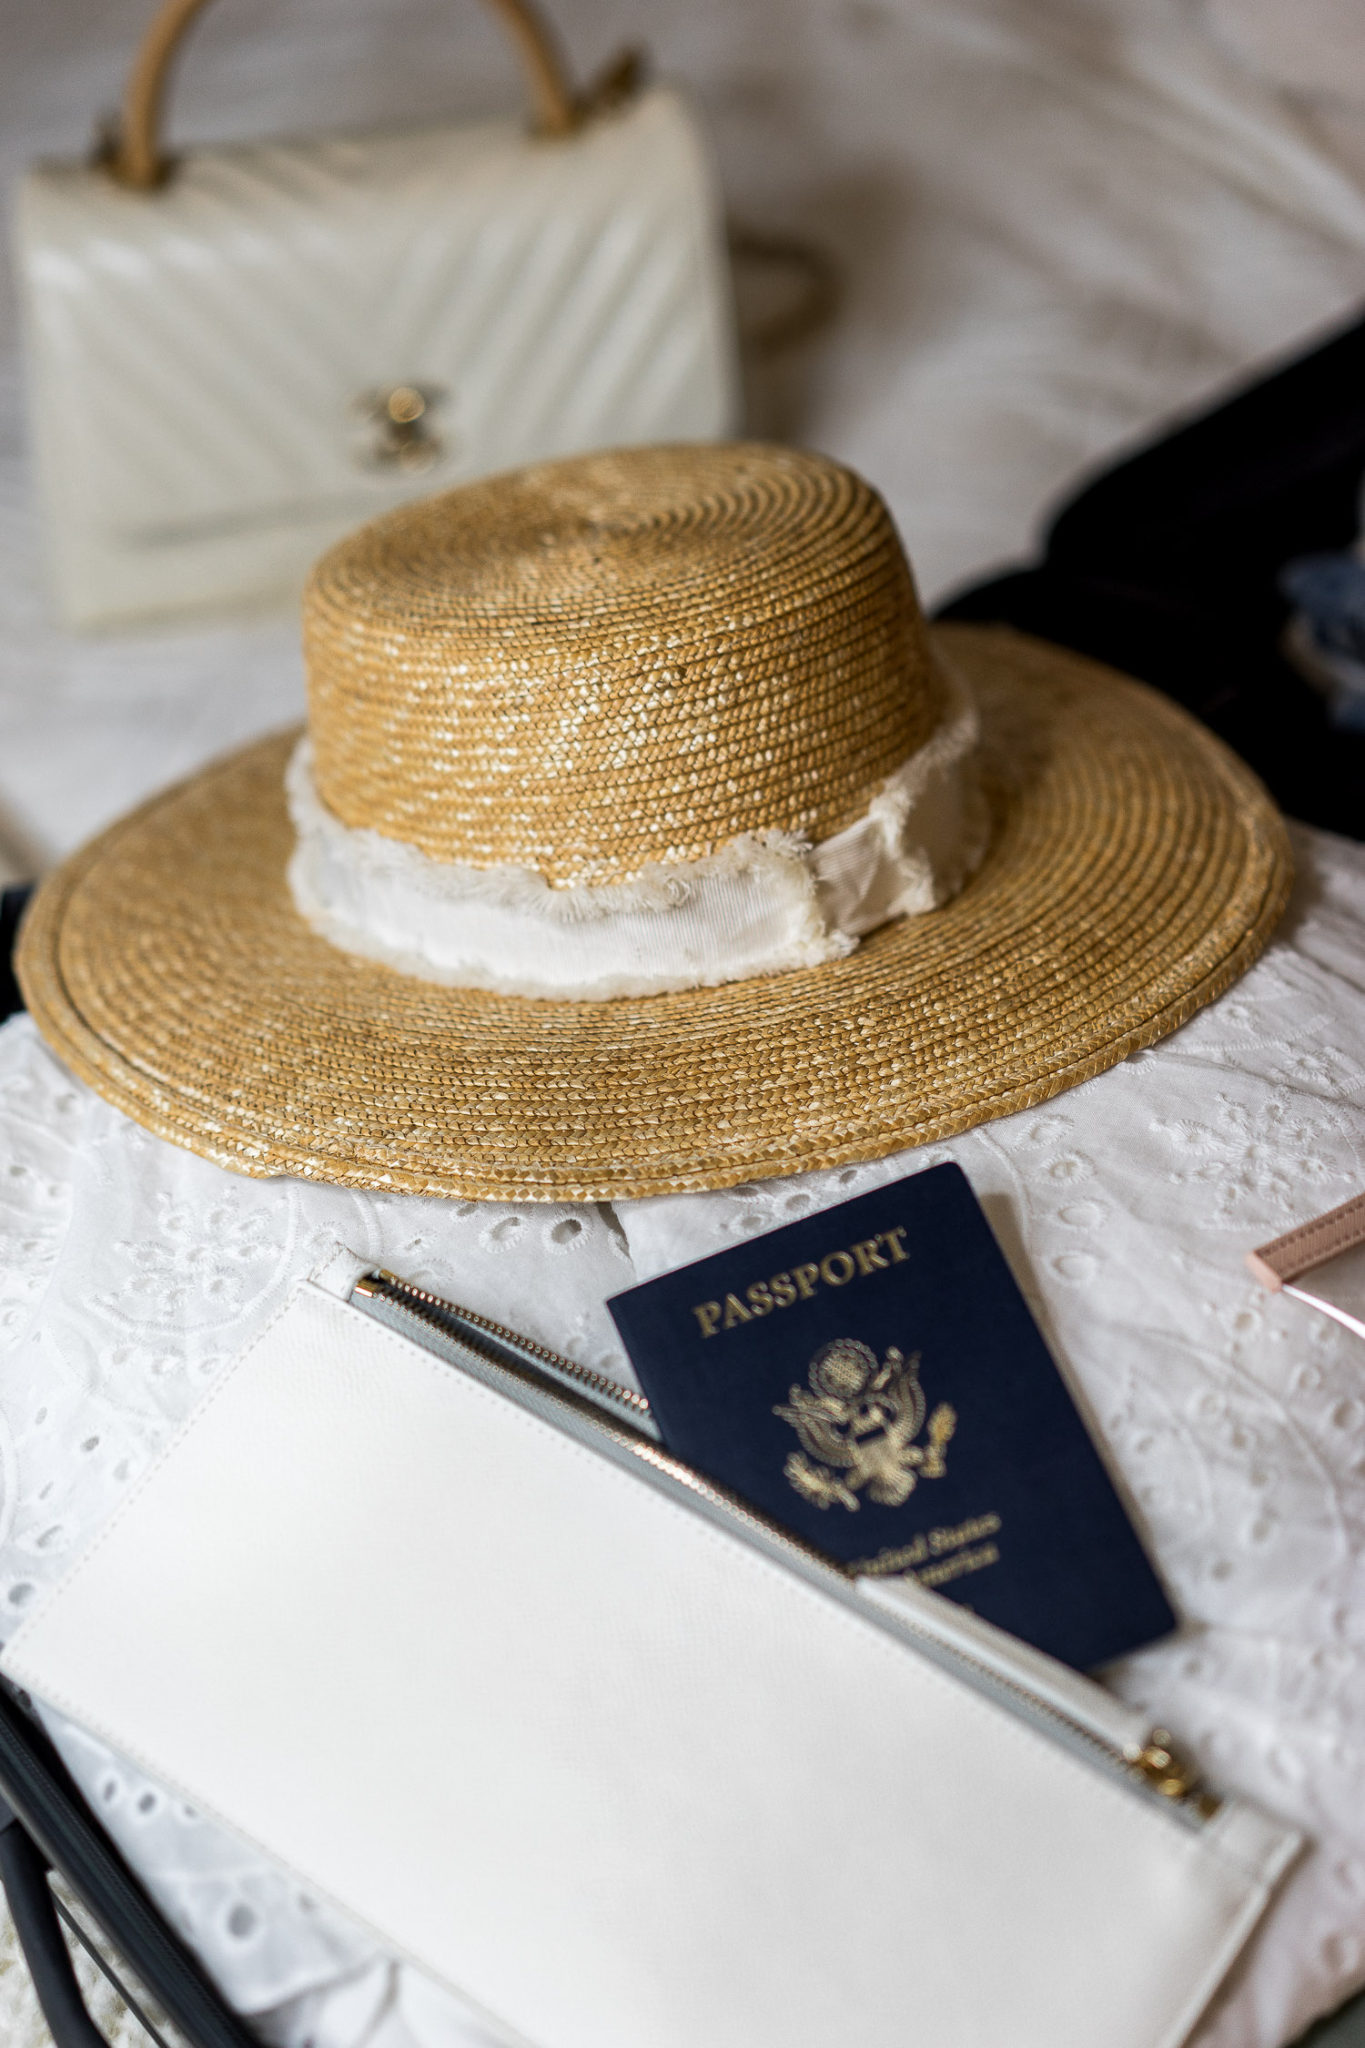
(134, 155)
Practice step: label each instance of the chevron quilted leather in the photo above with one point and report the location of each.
(199, 355)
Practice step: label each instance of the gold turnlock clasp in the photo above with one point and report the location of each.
(405, 435)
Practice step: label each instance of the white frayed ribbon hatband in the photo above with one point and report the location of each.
(765, 903)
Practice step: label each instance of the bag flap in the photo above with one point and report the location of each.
(199, 354)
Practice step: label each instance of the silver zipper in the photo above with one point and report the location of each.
(587, 1403)
(501, 1343)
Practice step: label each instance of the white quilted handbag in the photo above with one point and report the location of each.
(236, 355)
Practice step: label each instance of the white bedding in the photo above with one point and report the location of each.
(1061, 220)
(132, 1270)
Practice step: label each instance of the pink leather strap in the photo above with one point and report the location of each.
(1299, 1250)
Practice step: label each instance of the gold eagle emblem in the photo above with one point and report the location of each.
(857, 1422)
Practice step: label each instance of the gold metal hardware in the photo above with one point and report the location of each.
(401, 415)
(1169, 1774)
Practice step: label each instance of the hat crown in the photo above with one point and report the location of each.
(589, 665)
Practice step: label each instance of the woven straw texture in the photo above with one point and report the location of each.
(1136, 869)
(588, 665)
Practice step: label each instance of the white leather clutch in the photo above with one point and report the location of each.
(236, 355)
(613, 1758)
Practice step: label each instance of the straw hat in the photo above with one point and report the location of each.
(645, 840)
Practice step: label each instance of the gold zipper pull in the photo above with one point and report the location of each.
(1156, 1761)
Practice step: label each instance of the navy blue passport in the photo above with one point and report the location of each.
(872, 1380)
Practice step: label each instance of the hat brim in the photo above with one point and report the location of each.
(1136, 868)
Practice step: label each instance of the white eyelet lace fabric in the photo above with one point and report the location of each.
(130, 1271)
